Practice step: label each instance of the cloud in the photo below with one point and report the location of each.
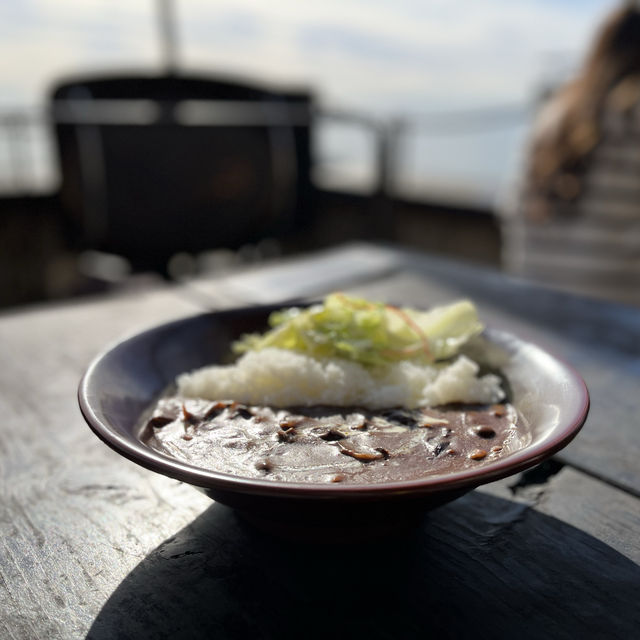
(398, 55)
(389, 57)
(388, 54)
(41, 40)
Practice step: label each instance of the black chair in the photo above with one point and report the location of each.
(143, 179)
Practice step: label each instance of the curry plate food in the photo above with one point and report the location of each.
(345, 391)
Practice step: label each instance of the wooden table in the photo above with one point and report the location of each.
(93, 545)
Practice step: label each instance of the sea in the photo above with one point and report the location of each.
(467, 165)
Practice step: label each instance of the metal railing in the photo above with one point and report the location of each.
(389, 136)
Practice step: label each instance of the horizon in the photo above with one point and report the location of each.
(405, 58)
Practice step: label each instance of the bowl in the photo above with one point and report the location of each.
(125, 379)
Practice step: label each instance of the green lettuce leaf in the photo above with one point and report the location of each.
(371, 333)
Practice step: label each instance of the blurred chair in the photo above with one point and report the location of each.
(152, 166)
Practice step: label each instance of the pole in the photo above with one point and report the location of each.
(168, 36)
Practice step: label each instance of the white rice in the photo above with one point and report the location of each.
(281, 378)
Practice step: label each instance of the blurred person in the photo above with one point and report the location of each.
(574, 222)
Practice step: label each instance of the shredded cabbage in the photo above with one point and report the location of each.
(370, 333)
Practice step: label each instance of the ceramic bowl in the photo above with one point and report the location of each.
(127, 377)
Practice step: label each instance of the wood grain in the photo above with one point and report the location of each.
(484, 566)
(75, 517)
(92, 545)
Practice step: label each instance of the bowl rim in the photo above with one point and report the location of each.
(135, 450)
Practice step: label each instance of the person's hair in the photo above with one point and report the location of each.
(559, 156)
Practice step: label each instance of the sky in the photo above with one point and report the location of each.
(388, 58)
(384, 55)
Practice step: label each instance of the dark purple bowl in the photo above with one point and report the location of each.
(126, 378)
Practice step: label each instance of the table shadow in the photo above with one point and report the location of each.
(479, 567)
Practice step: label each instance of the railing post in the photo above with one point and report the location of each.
(388, 152)
(17, 151)
(168, 35)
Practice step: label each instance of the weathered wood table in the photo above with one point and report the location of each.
(94, 546)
